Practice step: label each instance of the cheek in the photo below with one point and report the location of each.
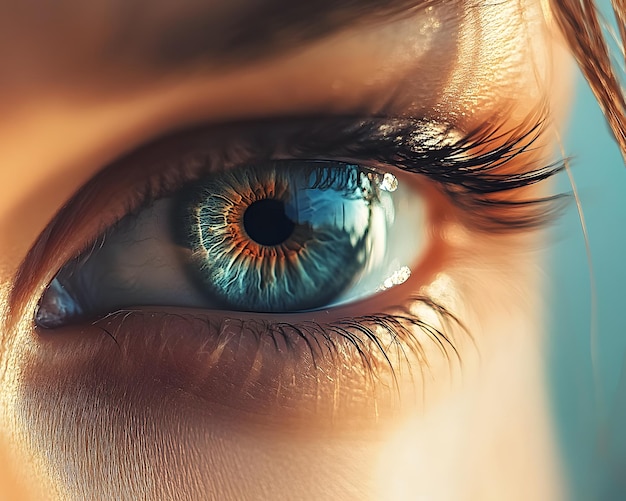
(97, 432)
(172, 449)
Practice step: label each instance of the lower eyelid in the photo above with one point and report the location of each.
(264, 373)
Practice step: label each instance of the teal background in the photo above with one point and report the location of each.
(590, 399)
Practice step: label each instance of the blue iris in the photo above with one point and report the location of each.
(286, 236)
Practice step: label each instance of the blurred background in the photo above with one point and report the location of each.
(589, 396)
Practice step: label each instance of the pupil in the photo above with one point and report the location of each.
(266, 223)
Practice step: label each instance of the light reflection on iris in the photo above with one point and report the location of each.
(398, 277)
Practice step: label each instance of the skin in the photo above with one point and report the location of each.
(86, 421)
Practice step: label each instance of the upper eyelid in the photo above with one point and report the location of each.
(440, 151)
(481, 170)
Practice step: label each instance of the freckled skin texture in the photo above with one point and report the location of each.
(87, 419)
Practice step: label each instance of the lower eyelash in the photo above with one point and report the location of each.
(381, 341)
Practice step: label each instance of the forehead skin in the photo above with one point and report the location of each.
(67, 113)
(162, 35)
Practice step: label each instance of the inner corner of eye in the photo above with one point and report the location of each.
(291, 236)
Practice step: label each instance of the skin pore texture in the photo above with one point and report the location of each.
(143, 417)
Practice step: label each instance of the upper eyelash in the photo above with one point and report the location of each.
(471, 180)
(445, 160)
(475, 182)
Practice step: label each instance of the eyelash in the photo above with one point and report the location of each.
(321, 339)
(470, 168)
(466, 167)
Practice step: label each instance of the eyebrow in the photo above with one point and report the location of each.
(167, 35)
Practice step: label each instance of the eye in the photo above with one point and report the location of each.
(284, 236)
(258, 267)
